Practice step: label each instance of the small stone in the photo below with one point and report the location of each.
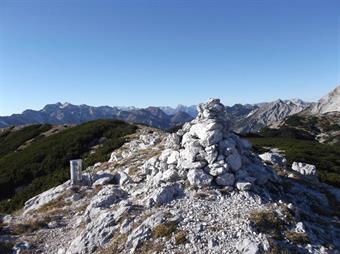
(243, 186)
(212, 243)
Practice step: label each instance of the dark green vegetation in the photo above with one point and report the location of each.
(297, 137)
(44, 163)
(325, 157)
(309, 128)
(12, 140)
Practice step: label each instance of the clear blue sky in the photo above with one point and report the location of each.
(165, 52)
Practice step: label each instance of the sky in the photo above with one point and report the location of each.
(166, 52)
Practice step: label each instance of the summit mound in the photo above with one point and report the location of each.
(199, 190)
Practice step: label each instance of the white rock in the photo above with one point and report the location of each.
(198, 178)
(165, 194)
(107, 196)
(173, 158)
(102, 181)
(143, 231)
(45, 197)
(273, 158)
(172, 141)
(190, 153)
(304, 168)
(216, 171)
(211, 154)
(165, 155)
(61, 251)
(299, 227)
(243, 186)
(169, 175)
(96, 234)
(182, 163)
(246, 246)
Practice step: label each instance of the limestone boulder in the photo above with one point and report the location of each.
(198, 178)
(274, 158)
(304, 169)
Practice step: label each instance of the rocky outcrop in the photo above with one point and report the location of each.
(252, 118)
(274, 158)
(304, 169)
(328, 103)
(45, 197)
(205, 152)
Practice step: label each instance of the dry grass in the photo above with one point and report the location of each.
(164, 230)
(150, 247)
(29, 227)
(297, 237)
(56, 204)
(117, 245)
(267, 222)
(274, 249)
(181, 237)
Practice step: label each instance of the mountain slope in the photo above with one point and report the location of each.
(265, 114)
(44, 162)
(328, 103)
(199, 190)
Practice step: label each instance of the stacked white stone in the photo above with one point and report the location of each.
(206, 152)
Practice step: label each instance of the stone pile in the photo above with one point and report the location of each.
(205, 152)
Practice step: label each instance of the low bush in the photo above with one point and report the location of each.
(45, 163)
(325, 157)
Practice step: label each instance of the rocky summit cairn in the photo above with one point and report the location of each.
(205, 152)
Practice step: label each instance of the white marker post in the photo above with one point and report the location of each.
(75, 170)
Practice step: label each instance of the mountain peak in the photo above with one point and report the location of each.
(328, 103)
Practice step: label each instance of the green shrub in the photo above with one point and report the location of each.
(45, 163)
(325, 157)
(11, 140)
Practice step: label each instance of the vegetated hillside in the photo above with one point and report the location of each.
(325, 157)
(44, 163)
(324, 128)
(11, 139)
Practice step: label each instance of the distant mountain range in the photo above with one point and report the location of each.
(67, 113)
(243, 118)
